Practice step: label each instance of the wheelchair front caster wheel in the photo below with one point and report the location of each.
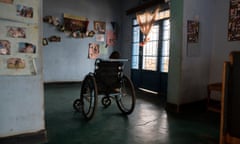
(77, 105)
(106, 101)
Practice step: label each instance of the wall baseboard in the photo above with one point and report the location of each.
(28, 138)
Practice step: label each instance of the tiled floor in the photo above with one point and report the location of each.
(150, 123)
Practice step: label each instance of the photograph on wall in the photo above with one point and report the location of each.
(25, 47)
(15, 63)
(93, 51)
(75, 23)
(100, 37)
(100, 27)
(192, 31)
(233, 22)
(5, 46)
(111, 38)
(24, 11)
(16, 32)
(6, 1)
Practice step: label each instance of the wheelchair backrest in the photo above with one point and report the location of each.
(108, 72)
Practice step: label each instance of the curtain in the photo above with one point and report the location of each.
(145, 21)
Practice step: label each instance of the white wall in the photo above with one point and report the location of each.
(221, 46)
(175, 61)
(67, 60)
(196, 56)
(201, 63)
(22, 100)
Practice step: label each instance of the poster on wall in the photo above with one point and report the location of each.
(15, 63)
(5, 47)
(16, 32)
(111, 38)
(233, 22)
(24, 11)
(99, 27)
(75, 23)
(192, 31)
(93, 51)
(27, 48)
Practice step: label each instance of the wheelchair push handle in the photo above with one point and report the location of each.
(98, 60)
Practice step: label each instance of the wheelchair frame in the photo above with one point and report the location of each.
(107, 80)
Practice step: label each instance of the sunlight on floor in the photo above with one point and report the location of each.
(149, 91)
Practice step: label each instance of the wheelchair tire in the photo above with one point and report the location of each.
(88, 96)
(127, 98)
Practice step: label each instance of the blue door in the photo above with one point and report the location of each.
(149, 69)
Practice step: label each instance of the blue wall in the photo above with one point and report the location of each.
(67, 60)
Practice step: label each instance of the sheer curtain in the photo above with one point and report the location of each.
(145, 21)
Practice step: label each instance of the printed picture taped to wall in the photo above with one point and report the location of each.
(24, 11)
(192, 31)
(6, 1)
(234, 18)
(100, 27)
(16, 32)
(93, 51)
(27, 48)
(5, 46)
(111, 38)
(100, 37)
(15, 63)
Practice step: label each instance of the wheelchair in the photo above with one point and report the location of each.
(107, 81)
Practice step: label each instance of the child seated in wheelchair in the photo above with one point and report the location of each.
(114, 55)
(108, 74)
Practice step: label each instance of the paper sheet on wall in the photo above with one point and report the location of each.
(20, 10)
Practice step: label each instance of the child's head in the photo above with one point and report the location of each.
(114, 55)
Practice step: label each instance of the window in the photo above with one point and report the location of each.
(135, 45)
(165, 46)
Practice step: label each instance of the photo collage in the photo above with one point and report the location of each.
(18, 38)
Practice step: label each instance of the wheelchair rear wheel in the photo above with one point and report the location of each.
(127, 98)
(88, 96)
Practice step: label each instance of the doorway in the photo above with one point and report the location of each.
(149, 69)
